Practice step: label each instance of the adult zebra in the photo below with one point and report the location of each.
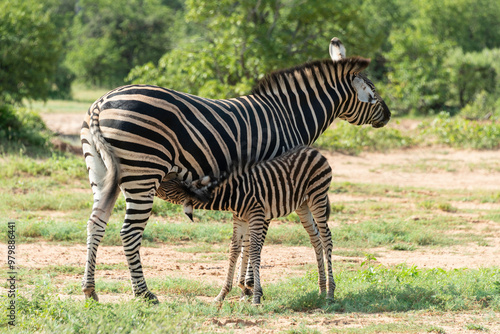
(297, 180)
(136, 136)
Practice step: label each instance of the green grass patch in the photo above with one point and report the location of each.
(47, 201)
(61, 106)
(369, 289)
(430, 204)
(476, 327)
(287, 234)
(376, 233)
(403, 247)
(337, 207)
(348, 252)
(403, 288)
(61, 167)
(353, 139)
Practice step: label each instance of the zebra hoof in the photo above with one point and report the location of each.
(256, 302)
(91, 294)
(149, 297)
(246, 292)
(219, 299)
(257, 297)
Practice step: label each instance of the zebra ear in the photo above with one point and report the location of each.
(365, 94)
(359, 64)
(337, 49)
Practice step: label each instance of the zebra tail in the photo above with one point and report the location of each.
(105, 150)
(202, 190)
(202, 195)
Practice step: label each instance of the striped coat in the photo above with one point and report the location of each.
(295, 181)
(134, 137)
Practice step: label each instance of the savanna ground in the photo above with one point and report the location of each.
(416, 236)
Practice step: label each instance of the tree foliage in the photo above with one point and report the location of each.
(241, 41)
(471, 73)
(109, 37)
(427, 56)
(433, 58)
(29, 48)
(61, 13)
(467, 23)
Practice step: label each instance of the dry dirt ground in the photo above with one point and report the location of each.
(440, 168)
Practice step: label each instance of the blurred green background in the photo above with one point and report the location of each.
(427, 56)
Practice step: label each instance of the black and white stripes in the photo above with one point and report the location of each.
(295, 181)
(136, 136)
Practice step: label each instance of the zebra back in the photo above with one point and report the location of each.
(278, 186)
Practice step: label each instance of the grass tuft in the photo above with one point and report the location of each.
(368, 289)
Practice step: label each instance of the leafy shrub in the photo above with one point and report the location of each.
(418, 81)
(22, 127)
(457, 132)
(470, 74)
(29, 50)
(484, 106)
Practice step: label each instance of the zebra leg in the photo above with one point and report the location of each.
(249, 278)
(105, 190)
(245, 267)
(256, 227)
(309, 224)
(138, 210)
(321, 212)
(240, 229)
(96, 227)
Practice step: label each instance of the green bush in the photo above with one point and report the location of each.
(462, 133)
(20, 127)
(470, 74)
(484, 106)
(29, 50)
(109, 37)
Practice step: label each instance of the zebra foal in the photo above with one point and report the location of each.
(295, 181)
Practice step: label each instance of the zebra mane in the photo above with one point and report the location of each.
(307, 70)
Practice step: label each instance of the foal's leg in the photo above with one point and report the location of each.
(246, 285)
(240, 230)
(320, 209)
(256, 227)
(309, 224)
(245, 268)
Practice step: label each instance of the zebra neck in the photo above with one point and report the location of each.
(309, 98)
